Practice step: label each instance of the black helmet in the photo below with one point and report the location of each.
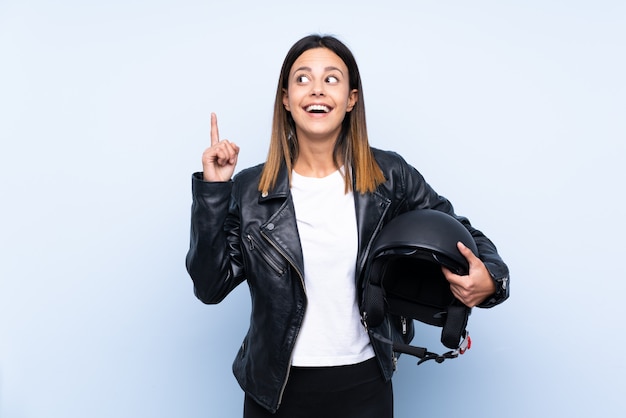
(404, 277)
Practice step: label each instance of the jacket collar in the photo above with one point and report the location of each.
(281, 189)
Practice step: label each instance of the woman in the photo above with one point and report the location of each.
(298, 229)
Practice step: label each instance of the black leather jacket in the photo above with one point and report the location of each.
(239, 234)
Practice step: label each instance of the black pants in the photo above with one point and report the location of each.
(354, 391)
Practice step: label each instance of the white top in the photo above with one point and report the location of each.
(332, 333)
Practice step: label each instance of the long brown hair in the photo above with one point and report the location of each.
(352, 148)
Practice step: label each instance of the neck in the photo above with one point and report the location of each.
(315, 159)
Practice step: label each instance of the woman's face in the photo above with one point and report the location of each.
(318, 95)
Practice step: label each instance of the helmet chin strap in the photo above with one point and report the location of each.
(421, 352)
(465, 345)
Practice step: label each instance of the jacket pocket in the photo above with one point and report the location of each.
(258, 248)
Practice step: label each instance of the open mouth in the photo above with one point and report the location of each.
(316, 108)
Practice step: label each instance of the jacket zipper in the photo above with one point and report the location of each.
(282, 389)
(265, 255)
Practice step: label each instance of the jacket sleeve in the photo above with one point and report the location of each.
(214, 257)
(422, 196)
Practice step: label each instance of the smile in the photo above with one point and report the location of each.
(317, 108)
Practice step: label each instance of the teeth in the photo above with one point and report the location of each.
(318, 108)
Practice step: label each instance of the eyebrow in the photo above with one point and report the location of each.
(327, 69)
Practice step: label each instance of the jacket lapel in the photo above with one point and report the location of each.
(370, 213)
(281, 229)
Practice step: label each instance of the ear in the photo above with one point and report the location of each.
(352, 99)
(286, 100)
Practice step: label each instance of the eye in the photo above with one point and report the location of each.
(302, 79)
(332, 79)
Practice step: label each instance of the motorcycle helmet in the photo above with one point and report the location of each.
(404, 277)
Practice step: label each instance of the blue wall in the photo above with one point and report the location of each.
(513, 110)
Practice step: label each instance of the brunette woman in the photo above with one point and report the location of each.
(297, 230)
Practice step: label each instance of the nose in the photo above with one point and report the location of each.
(317, 89)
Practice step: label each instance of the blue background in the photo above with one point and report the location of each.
(513, 110)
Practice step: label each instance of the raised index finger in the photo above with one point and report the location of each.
(215, 133)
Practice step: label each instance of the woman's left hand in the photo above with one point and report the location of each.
(476, 286)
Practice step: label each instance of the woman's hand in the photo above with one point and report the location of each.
(476, 286)
(220, 159)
